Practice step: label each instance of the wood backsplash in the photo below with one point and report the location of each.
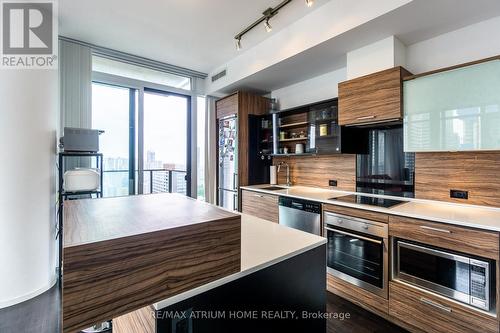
(317, 170)
(477, 172)
(435, 174)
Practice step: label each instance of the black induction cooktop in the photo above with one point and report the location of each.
(371, 201)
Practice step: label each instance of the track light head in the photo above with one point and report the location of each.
(268, 26)
(309, 3)
(238, 44)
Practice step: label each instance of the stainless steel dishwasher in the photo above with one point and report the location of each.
(300, 214)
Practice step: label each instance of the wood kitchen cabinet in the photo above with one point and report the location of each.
(466, 240)
(227, 106)
(373, 98)
(260, 205)
(431, 313)
(242, 105)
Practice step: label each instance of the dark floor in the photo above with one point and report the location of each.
(41, 315)
(360, 321)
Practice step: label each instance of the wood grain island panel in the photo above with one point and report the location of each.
(122, 254)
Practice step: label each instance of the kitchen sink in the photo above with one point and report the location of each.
(273, 188)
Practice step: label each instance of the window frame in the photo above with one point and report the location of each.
(141, 87)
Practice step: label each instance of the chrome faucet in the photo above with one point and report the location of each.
(288, 182)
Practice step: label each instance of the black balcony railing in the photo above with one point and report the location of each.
(154, 181)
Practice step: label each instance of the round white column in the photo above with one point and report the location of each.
(28, 125)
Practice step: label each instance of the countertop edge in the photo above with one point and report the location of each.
(388, 210)
(217, 283)
(144, 234)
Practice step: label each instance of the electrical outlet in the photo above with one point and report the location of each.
(459, 194)
(332, 182)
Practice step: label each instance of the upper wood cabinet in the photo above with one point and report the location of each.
(242, 104)
(227, 106)
(372, 98)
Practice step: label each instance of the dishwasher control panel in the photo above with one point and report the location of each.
(304, 205)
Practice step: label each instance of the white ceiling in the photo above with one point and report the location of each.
(419, 20)
(196, 34)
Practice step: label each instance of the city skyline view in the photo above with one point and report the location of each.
(164, 139)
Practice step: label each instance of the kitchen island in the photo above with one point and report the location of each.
(225, 257)
(121, 254)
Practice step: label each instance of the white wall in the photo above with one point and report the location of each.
(383, 54)
(309, 91)
(474, 42)
(374, 57)
(28, 125)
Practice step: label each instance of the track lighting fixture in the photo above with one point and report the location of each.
(266, 15)
(309, 3)
(268, 26)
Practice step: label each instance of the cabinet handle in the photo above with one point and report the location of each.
(435, 229)
(376, 241)
(258, 195)
(366, 117)
(434, 304)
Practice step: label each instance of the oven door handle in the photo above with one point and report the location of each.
(354, 235)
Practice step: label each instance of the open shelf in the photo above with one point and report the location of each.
(301, 123)
(294, 139)
(331, 136)
(292, 154)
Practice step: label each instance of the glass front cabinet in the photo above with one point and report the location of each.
(454, 110)
(314, 129)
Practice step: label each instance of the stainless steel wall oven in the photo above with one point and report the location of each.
(357, 251)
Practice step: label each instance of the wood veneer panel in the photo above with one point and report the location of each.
(477, 172)
(409, 305)
(247, 104)
(355, 212)
(140, 321)
(294, 118)
(261, 205)
(122, 254)
(227, 106)
(372, 98)
(462, 239)
(317, 170)
(357, 295)
(444, 69)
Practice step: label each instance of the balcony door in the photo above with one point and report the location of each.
(165, 143)
(146, 143)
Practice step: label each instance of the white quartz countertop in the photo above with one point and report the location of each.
(480, 217)
(263, 244)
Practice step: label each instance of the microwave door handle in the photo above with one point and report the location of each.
(434, 252)
(354, 235)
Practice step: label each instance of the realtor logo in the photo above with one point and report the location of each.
(29, 36)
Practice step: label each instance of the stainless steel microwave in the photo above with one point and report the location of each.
(464, 278)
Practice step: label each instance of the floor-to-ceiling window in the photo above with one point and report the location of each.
(146, 116)
(111, 112)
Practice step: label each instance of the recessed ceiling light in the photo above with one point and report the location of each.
(309, 3)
